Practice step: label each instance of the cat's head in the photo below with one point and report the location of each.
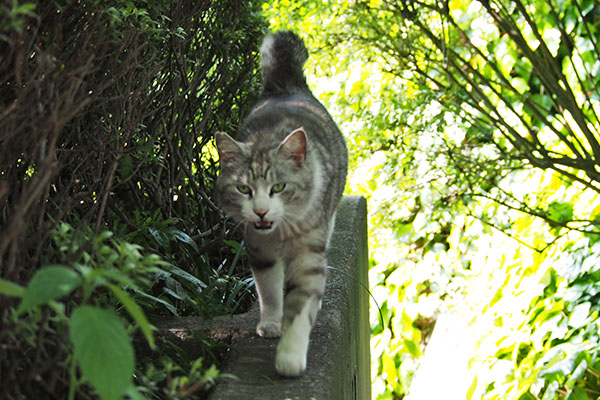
(265, 185)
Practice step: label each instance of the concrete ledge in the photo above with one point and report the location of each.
(338, 356)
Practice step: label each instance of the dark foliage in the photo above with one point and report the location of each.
(107, 113)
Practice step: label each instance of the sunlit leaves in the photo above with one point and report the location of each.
(472, 128)
(554, 343)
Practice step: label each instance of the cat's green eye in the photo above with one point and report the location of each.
(277, 188)
(244, 189)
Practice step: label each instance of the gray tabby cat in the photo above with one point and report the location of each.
(283, 178)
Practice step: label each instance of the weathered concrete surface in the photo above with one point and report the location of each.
(338, 364)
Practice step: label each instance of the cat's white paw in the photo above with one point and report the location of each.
(268, 329)
(290, 363)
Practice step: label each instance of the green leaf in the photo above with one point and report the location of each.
(103, 350)
(184, 238)
(136, 313)
(520, 85)
(560, 212)
(587, 6)
(551, 280)
(389, 369)
(158, 300)
(185, 275)
(47, 284)
(8, 288)
(412, 348)
(26, 8)
(161, 237)
(134, 394)
(472, 388)
(578, 393)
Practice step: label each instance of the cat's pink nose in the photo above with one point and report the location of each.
(261, 213)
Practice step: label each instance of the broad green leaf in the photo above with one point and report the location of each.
(389, 368)
(158, 300)
(579, 393)
(587, 6)
(413, 348)
(136, 313)
(8, 288)
(161, 237)
(184, 238)
(520, 85)
(49, 283)
(560, 212)
(103, 350)
(25, 8)
(407, 323)
(99, 277)
(185, 275)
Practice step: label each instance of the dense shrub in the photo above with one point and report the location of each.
(107, 112)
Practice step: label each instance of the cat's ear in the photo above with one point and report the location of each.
(229, 149)
(294, 146)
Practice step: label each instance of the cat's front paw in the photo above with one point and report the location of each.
(290, 363)
(268, 329)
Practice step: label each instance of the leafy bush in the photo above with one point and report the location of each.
(106, 170)
(549, 349)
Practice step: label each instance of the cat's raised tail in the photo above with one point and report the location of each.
(283, 55)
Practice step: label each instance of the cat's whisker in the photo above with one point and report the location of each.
(291, 226)
(284, 230)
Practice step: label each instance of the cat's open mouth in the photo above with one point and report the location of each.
(263, 225)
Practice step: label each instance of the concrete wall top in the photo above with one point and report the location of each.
(338, 365)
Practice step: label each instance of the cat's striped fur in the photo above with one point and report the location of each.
(283, 177)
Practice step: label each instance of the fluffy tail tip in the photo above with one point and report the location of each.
(283, 55)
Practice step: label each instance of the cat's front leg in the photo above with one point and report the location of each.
(305, 288)
(268, 278)
(292, 348)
